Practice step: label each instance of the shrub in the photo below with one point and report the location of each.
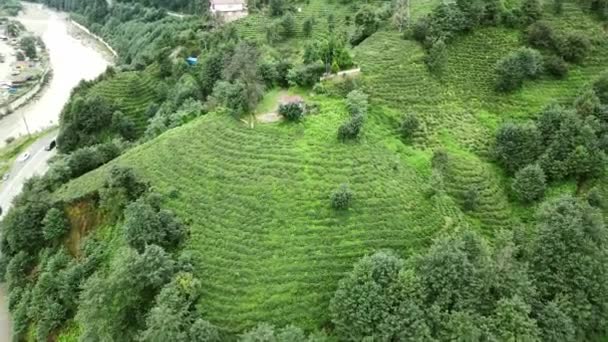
(540, 35)
(517, 145)
(146, 224)
(440, 160)
(306, 75)
(556, 66)
(514, 68)
(288, 24)
(341, 198)
(55, 224)
(470, 199)
(291, 111)
(437, 57)
(357, 102)
(531, 10)
(573, 47)
(530, 183)
(351, 129)
(409, 126)
(369, 297)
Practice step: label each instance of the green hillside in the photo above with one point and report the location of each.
(257, 201)
(131, 92)
(477, 212)
(267, 244)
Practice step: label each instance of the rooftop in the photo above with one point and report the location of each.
(227, 2)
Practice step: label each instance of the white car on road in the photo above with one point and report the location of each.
(25, 156)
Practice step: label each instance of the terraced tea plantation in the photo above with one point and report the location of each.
(257, 202)
(267, 245)
(131, 92)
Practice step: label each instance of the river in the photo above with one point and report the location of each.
(72, 60)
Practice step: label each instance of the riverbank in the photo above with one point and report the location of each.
(73, 57)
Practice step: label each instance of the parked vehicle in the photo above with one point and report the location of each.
(51, 145)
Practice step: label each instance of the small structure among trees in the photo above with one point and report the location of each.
(229, 10)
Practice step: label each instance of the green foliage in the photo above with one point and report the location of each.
(173, 317)
(437, 58)
(531, 10)
(55, 224)
(342, 198)
(409, 125)
(351, 129)
(82, 120)
(306, 75)
(556, 66)
(288, 24)
(517, 145)
(369, 301)
(292, 111)
(470, 199)
(147, 224)
(569, 262)
(308, 26)
(513, 69)
(573, 47)
(357, 103)
(540, 35)
(112, 307)
(277, 7)
(28, 45)
(530, 183)
(367, 22)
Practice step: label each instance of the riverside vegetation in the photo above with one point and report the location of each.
(455, 190)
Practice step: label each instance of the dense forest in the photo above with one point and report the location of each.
(452, 189)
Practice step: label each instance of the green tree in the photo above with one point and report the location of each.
(113, 307)
(532, 10)
(570, 264)
(308, 26)
(243, 70)
(368, 302)
(401, 14)
(512, 321)
(341, 198)
(28, 45)
(517, 145)
(173, 316)
(437, 58)
(409, 125)
(55, 224)
(573, 47)
(367, 24)
(357, 102)
(530, 183)
(277, 7)
(291, 111)
(146, 224)
(288, 24)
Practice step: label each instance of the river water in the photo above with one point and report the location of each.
(72, 60)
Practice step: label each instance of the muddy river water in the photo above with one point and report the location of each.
(72, 59)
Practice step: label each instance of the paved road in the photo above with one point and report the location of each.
(19, 173)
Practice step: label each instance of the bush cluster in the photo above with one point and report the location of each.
(513, 69)
(292, 111)
(465, 288)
